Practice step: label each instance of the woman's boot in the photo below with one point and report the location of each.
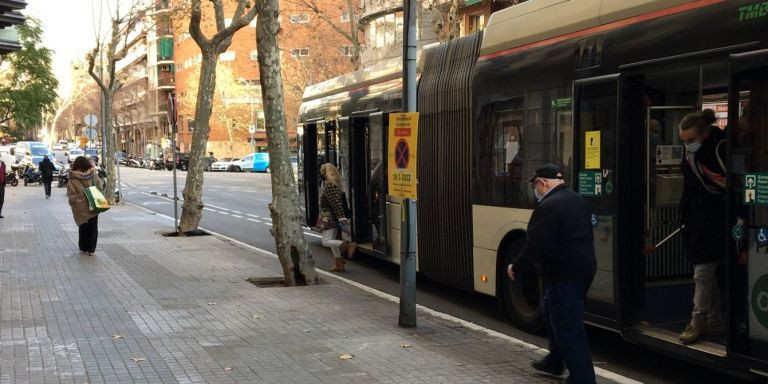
(348, 249)
(338, 266)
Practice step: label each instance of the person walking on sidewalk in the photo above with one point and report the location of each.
(46, 171)
(332, 211)
(2, 187)
(702, 208)
(559, 244)
(81, 176)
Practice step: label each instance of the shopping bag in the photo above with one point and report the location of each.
(96, 200)
(323, 220)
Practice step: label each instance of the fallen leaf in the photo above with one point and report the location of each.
(115, 337)
(256, 317)
(306, 330)
(227, 369)
(346, 356)
(212, 303)
(138, 359)
(406, 345)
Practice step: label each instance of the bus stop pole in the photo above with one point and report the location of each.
(408, 225)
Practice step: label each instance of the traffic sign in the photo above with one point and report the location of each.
(90, 120)
(403, 135)
(90, 133)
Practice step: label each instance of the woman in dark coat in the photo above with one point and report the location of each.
(703, 213)
(81, 176)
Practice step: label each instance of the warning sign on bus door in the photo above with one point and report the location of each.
(592, 150)
(403, 132)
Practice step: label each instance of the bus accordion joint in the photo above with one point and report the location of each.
(652, 249)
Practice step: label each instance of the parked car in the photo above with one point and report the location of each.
(74, 153)
(255, 162)
(223, 165)
(91, 152)
(182, 161)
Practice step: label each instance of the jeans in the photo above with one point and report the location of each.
(568, 344)
(89, 233)
(329, 240)
(2, 196)
(47, 186)
(706, 295)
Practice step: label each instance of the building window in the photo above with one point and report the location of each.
(386, 30)
(227, 56)
(475, 23)
(299, 52)
(300, 18)
(347, 50)
(254, 55)
(344, 17)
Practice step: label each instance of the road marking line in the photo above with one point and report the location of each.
(238, 212)
(224, 213)
(254, 220)
(223, 209)
(208, 209)
(238, 216)
(248, 214)
(467, 324)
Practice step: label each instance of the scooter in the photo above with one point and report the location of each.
(64, 178)
(32, 175)
(11, 179)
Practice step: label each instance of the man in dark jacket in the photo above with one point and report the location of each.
(2, 186)
(559, 244)
(46, 170)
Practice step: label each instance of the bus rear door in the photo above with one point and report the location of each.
(748, 208)
(368, 180)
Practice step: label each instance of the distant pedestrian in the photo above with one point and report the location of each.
(46, 170)
(559, 244)
(332, 212)
(2, 187)
(81, 176)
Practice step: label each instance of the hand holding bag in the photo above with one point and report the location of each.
(96, 200)
(323, 220)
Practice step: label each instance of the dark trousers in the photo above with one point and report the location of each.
(2, 196)
(568, 344)
(47, 186)
(89, 232)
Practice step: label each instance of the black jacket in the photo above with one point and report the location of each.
(46, 169)
(702, 209)
(559, 238)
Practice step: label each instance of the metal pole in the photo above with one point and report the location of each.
(117, 167)
(175, 185)
(408, 266)
(408, 225)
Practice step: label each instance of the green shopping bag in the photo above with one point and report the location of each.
(96, 200)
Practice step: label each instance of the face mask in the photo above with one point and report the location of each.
(693, 147)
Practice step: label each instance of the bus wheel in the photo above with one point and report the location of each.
(521, 299)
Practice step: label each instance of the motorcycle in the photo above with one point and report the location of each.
(156, 164)
(134, 162)
(64, 178)
(32, 175)
(11, 179)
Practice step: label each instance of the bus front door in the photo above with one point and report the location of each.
(319, 146)
(748, 208)
(367, 180)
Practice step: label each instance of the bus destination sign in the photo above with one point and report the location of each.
(403, 133)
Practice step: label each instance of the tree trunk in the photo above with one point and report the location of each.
(295, 258)
(192, 209)
(354, 33)
(108, 153)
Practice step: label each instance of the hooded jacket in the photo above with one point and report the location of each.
(78, 182)
(46, 169)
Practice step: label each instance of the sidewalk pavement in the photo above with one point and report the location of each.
(151, 309)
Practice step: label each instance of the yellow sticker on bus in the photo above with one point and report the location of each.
(592, 150)
(403, 134)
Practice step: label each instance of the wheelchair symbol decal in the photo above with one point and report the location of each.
(761, 237)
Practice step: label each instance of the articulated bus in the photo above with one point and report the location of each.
(598, 87)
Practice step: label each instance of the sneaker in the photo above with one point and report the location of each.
(691, 333)
(545, 368)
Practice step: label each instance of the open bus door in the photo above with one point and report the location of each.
(748, 208)
(319, 146)
(368, 180)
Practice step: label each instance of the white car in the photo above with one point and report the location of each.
(74, 153)
(223, 165)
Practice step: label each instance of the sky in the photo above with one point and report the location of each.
(68, 29)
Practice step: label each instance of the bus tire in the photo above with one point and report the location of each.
(521, 299)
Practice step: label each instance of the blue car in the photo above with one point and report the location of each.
(254, 162)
